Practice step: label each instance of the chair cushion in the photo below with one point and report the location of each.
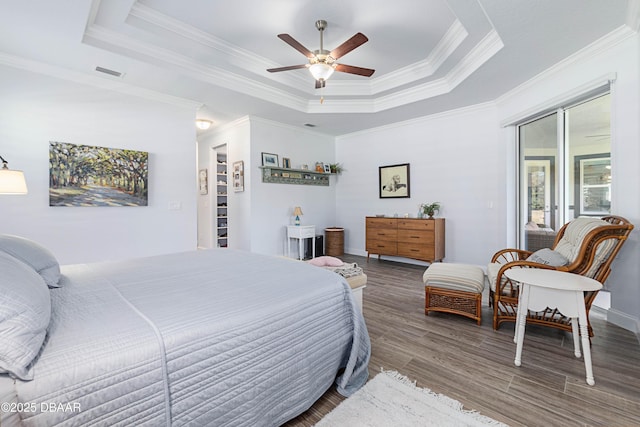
(458, 277)
(548, 257)
(492, 274)
(574, 234)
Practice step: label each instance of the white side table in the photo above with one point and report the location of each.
(301, 232)
(542, 288)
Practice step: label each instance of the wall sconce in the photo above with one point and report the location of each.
(297, 211)
(11, 181)
(203, 124)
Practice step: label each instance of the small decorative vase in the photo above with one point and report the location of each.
(420, 214)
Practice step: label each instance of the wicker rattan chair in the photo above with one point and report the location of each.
(589, 244)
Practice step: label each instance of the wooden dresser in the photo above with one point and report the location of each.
(421, 239)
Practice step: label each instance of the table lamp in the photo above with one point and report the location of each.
(11, 181)
(297, 211)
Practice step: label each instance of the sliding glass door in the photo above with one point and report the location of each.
(564, 169)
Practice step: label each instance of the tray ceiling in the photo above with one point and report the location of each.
(429, 55)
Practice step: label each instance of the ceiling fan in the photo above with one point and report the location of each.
(322, 63)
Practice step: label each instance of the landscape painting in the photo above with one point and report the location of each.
(82, 175)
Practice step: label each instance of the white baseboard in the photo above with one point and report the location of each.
(623, 320)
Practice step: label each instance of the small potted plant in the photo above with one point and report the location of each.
(335, 167)
(430, 209)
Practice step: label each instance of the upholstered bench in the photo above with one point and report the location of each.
(454, 288)
(357, 283)
(353, 274)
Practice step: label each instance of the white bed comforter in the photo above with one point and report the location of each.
(205, 338)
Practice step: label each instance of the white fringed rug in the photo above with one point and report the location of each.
(391, 399)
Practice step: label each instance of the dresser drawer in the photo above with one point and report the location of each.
(382, 247)
(416, 251)
(382, 223)
(382, 234)
(416, 236)
(417, 224)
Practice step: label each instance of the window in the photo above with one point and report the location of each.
(564, 169)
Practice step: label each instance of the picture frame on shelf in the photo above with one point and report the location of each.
(269, 159)
(286, 163)
(238, 176)
(327, 168)
(394, 181)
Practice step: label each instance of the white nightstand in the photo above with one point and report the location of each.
(301, 232)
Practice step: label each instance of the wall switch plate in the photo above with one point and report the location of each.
(175, 206)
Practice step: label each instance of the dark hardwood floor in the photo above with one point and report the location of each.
(473, 364)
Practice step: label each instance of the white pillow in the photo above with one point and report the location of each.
(34, 255)
(25, 311)
(548, 257)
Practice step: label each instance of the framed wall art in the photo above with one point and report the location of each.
(84, 175)
(394, 181)
(203, 181)
(286, 162)
(269, 159)
(238, 176)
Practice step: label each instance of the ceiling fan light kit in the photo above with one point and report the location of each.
(322, 63)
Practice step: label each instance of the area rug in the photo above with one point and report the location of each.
(391, 399)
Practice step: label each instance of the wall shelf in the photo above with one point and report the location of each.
(274, 175)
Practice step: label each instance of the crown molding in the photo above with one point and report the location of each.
(452, 39)
(559, 100)
(471, 109)
(116, 85)
(481, 53)
(256, 64)
(601, 45)
(220, 130)
(217, 76)
(633, 15)
(286, 126)
(242, 58)
(209, 74)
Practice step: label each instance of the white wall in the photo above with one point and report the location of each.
(566, 78)
(259, 215)
(465, 160)
(35, 109)
(456, 158)
(237, 138)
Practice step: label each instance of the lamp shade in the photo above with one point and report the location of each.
(297, 211)
(321, 71)
(12, 182)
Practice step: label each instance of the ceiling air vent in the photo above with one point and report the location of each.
(108, 71)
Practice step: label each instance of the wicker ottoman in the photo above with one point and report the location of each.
(454, 288)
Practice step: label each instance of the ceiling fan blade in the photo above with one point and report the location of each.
(367, 72)
(348, 46)
(296, 45)
(290, 67)
(320, 84)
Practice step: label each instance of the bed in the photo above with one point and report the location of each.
(213, 337)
